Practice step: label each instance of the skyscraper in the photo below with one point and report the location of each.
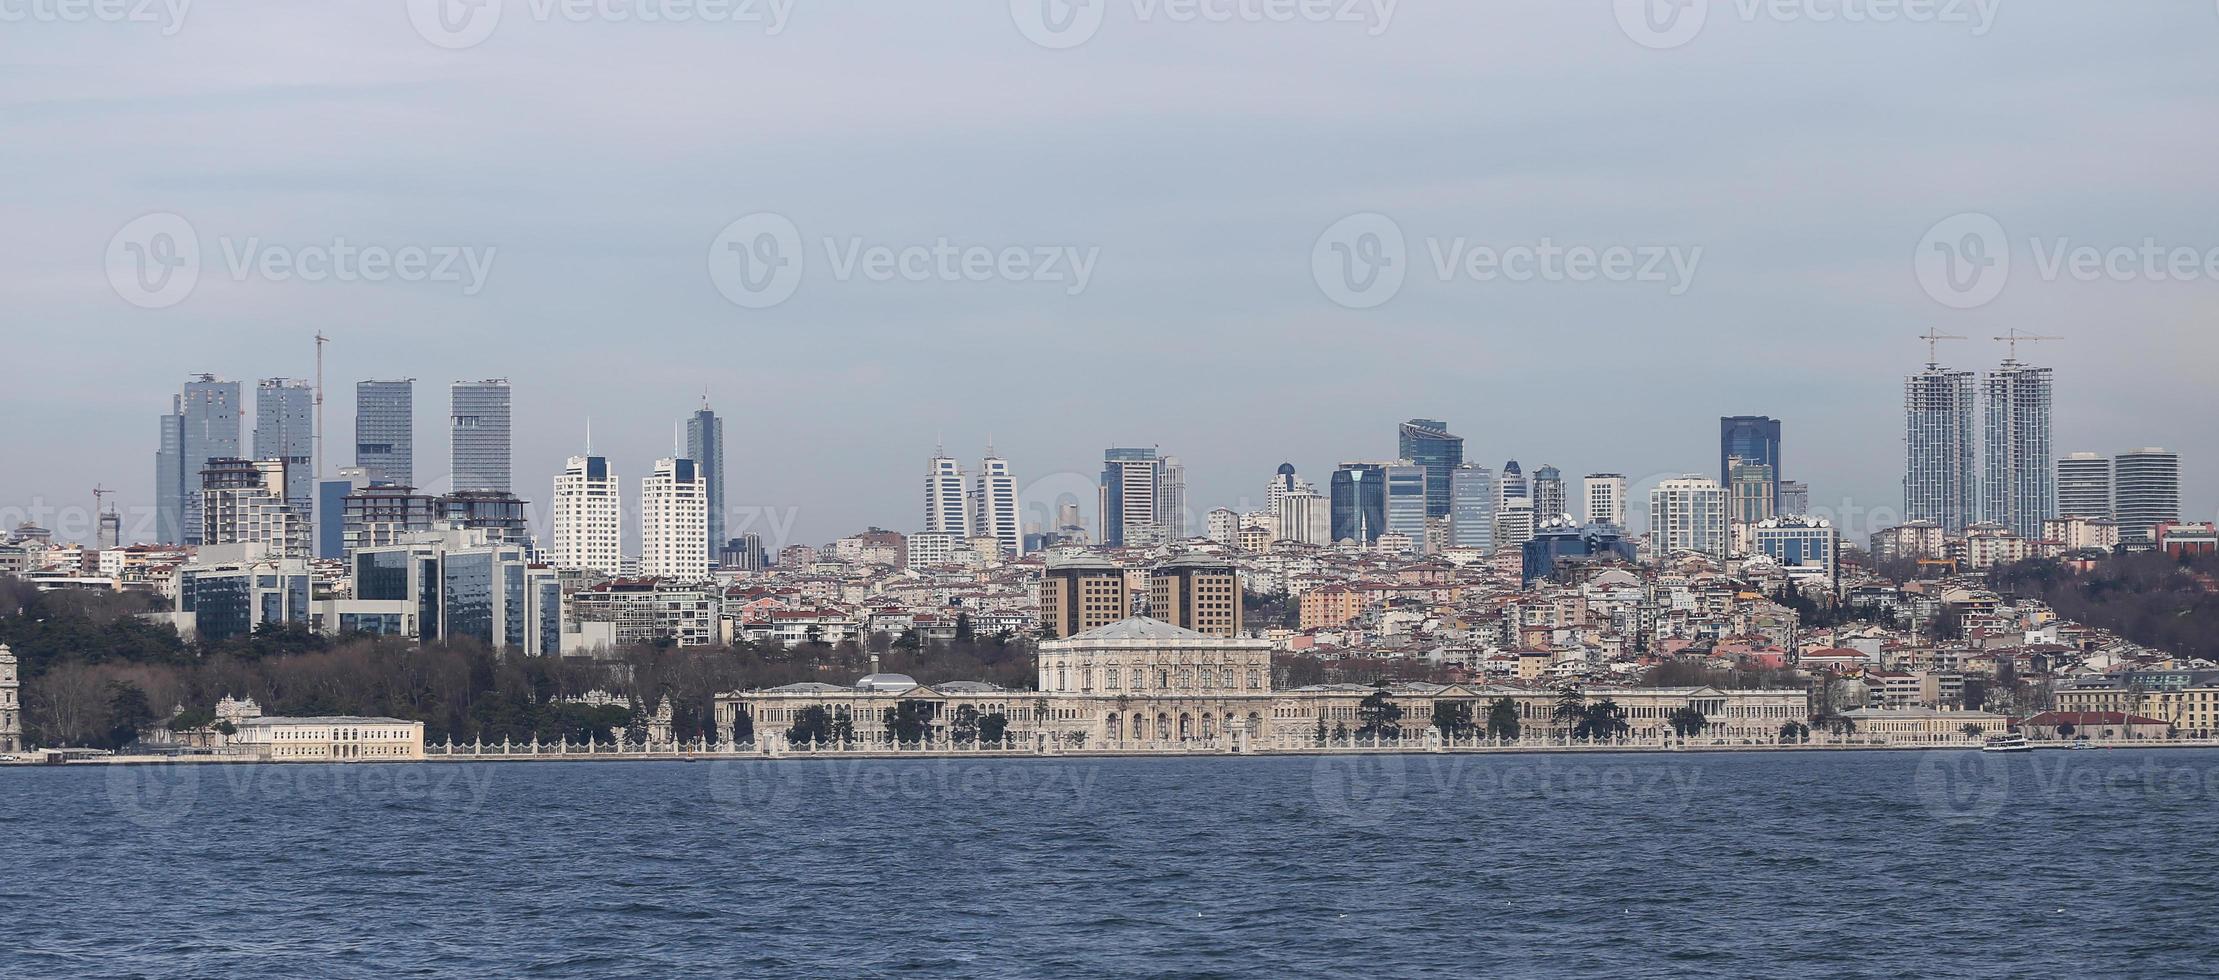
(947, 509)
(1606, 499)
(1548, 495)
(1283, 482)
(2021, 487)
(589, 509)
(1750, 488)
(385, 431)
(1171, 499)
(285, 428)
(480, 425)
(1408, 497)
(1359, 502)
(1688, 514)
(1512, 486)
(1131, 501)
(994, 505)
(1750, 439)
(674, 522)
(1938, 480)
(705, 446)
(2146, 492)
(202, 425)
(1472, 504)
(2084, 485)
(1427, 443)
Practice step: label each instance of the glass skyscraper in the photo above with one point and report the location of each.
(1427, 443)
(203, 424)
(1752, 439)
(480, 423)
(1407, 498)
(705, 446)
(1359, 502)
(385, 431)
(285, 428)
(2020, 484)
(1472, 504)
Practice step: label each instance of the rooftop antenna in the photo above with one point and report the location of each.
(318, 465)
(1933, 340)
(589, 435)
(2013, 337)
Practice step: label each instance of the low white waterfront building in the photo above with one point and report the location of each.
(339, 738)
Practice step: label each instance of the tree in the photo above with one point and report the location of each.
(1686, 720)
(1603, 720)
(1502, 719)
(1794, 731)
(1571, 707)
(127, 713)
(1453, 718)
(1972, 731)
(909, 721)
(993, 727)
(814, 724)
(964, 729)
(963, 628)
(1378, 714)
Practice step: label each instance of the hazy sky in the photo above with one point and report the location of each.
(1191, 156)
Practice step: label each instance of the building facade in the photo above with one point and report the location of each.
(947, 505)
(1428, 444)
(1079, 593)
(1752, 440)
(1688, 514)
(2084, 486)
(588, 531)
(705, 446)
(994, 507)
(479, 427)
(329, 739)
(1938, 475)
(1606, 498)
(203, 425)
(674, 522)
(1472, 505)
(2146, 489)
(385, 431)
(1132, 497)
(2019, 485)
(1359, 502)
(1197, 593)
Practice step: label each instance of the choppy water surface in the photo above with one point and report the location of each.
(1806, 864)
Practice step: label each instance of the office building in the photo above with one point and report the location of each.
(1512, 486)
(674, 521)
(1751, 439)
(382, 514)
(1562, 543)
(1750, 492)
(1688, 514)
(947, 507)
(1795, 498)
(1359, 502)
(705, 446)
(588, 520)
(1428, 444)
(1606, 499)
(331, 510)
(202, 425)
(228, 590)
(2084, 485)
(743, 554)
(1515, 524)
(1132, 501)
(2019, 484)
(448, 585)
(1407, 500)
(502, 516)
(1804, 547)
(285, 428)
(1938, 476)
(479, 425)
(1171, 500)
(994, 512)
(1549, 498)
(385, 431)
(2145, 487)
(1197, 593)
(1472, 506)
(1079, 593)
(1304, 517)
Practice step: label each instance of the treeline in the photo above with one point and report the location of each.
(94, 674)
(2150, 598)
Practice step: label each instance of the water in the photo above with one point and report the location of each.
(1807, 864)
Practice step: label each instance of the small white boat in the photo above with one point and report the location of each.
(2013, 742)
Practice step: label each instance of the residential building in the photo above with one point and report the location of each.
(1305, 517)
(588, 517)
(1688, 514)
(2084, 485)
(1515, 524)
(385, 431)
(947, 504)
(674, 521)
(2020, 484)
(2081, 533)
(1197, 593)
(994, 506)
(2146, 488)
(1938, 480)
(243, 502)
(1751, 491)
(1428, 444)
(479, 426)
(1606, 498)
(1549, 497)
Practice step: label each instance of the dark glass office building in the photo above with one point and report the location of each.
(1753, 439)
(1359, 502)
(1428, 443)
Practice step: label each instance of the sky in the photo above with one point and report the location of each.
(1244, 231)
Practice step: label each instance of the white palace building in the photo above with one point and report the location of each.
(1143, 684)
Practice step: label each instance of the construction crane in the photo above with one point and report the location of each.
(318, 463)
(1934, 340)
(99, 493)
(2013, 337)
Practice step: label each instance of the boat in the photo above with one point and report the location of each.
(2013, 742)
